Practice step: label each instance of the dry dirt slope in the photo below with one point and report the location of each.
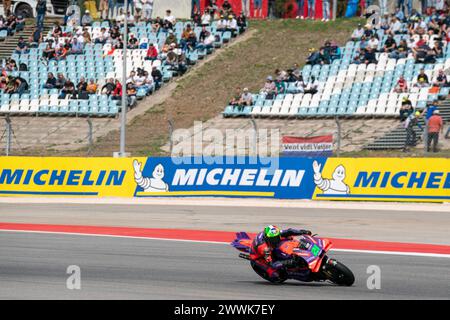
(204, 93)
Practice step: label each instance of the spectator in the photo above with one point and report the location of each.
(441, 79)
(207, 43)
(429, 110)
(41, 9)
(61, 52)
(86, 37)
(369, 56)
(300, 9)
(51, 81)
(102, 37)
(410, 123)
(191, 41)
(171, 38)
(231, 25)
(77, 47)
(280, 86)
(7, 6)
(222, 24)
(402, 85)
(311, 9)
(246, 98)
(49, 52)
(20, 23)
(326, 10)
(311, 87)
(169, 20)
(197, 18)
(435, 126)
(357, 33)
(389, 45)
(406, 109)
(314, 57)
(86, 20)
(92, 87)
(257, 5)
(130, 19)
(117, 92)
(22, 47)
(131, 94)
(236, 100)
(35, 38)
(81, 91)
(206, 18)
(269, 89)
(108, 87)
(60, 81)
(242, 23)
(68, 90)
(148, 83)
(152, 53)
(147, 10)
(133, 43)
(11, 24)
(373, 43)
(400, 52)
(226, 6)
(422, 79)
(103, 9)
(157, 77)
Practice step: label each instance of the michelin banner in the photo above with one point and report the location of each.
(368, 179)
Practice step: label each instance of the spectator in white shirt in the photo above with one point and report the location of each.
(373, 43)
(170, 19)
(206, 18)
(147, 9)
(357, 33)
(396, 26)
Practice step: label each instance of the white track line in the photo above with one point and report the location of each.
(414, 254)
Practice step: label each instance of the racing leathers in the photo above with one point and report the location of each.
(261, 257)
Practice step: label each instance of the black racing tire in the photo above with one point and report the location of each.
(25, 10)
(339, 274)
(265, 276)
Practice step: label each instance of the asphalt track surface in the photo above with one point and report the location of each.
(33, 266)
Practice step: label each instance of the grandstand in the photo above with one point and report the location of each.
(356, 90)
(95, 63)
(361, 95)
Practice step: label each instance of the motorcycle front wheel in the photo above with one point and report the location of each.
(338, 273)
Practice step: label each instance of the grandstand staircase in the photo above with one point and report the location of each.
(8, 46)
(395, 139)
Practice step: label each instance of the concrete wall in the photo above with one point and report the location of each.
(181, 9)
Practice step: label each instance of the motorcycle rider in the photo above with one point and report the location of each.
(261, 251)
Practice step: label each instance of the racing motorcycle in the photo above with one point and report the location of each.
(309, 254)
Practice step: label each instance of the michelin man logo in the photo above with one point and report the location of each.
(331, 186)
(153, 184)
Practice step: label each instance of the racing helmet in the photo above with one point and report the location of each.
(272, 235)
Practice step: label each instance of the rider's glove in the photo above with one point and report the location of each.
(307, 232)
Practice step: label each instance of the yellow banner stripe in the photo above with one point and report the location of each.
(207, 193)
